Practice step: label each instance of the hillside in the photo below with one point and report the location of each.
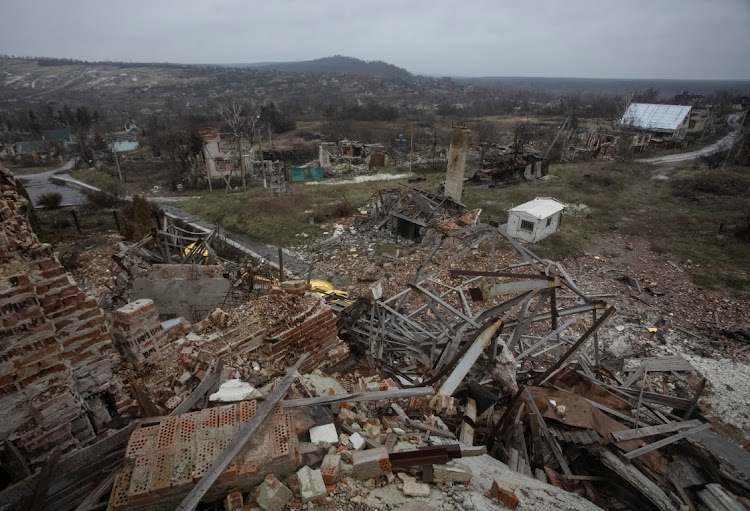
(338, 64)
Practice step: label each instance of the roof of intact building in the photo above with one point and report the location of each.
(541, 207)
(651, 116)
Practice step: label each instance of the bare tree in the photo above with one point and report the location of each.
(486, 131)
(242, 118)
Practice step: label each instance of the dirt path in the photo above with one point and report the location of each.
(726, 142)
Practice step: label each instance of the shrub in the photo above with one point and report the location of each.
(50, 200)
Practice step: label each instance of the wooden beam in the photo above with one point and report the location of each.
(191, 501)
(666, 441)
(546, 433)
(630, 434)
(466, 435)
(573, 349)
(630, 473)
(43, 482)
(358, 397)
(102, 488)
(469, 359)
(204, 387)
(431, 429)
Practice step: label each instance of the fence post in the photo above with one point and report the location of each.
(75, 219)
(117, 222)
(281, 265)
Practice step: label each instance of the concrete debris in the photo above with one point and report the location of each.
(326, 433)
(412, 488)
(235, 390)
(272, 494)
(311, 484)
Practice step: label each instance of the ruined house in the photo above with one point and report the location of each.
(352, 153)
(663, 122)
(221, 155)
(409, 212)
(501, 167)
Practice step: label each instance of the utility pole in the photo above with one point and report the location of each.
(262, 167)
(411, 149)
(117, 162)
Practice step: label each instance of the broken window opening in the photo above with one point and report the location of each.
(549, 221)
(527, 226)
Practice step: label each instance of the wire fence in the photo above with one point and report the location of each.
(73, 221)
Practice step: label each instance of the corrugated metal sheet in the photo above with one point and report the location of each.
(659, 117)
(541, 207)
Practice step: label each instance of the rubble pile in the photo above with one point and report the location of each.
(57, 384)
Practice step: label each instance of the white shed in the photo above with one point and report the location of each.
(535, 220)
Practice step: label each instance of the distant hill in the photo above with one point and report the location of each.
(336, 64)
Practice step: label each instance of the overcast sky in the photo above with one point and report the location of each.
(701, 39)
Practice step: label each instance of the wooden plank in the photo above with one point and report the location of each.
(696, 397)
(630, 434)
(191, 501)
(357, 397)
(513, 459)
(466, 436)
(101, 489)
(637, 479)
(540, 475)
(666, 363)
(469, 359)
(545, 432)
(546, 338)
(431, 429)
(521, 286)
(43, 481)
(666, 441)
(573, 349)
(209, 381)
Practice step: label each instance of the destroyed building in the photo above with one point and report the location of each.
(481, 375)
(345, 155)
(409, 212)
(501, 166)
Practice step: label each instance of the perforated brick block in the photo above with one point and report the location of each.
(167, 433)
(204, 458)
(163, 470)
(188, 426)
(330, 468)
(247, 410)
(281, 430)
(119, 495)
(142, 441)
(142, 475)
(371, 463)
(184, 465)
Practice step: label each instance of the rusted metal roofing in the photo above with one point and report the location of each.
(651, 116)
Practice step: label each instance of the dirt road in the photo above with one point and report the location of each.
(726, 142)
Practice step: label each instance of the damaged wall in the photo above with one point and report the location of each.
(56, 351)
(185, 290)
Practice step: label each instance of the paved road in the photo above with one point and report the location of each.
(725, 143)
(39, 184)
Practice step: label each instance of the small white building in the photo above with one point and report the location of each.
(535, 220)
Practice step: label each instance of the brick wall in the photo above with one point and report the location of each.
(55, 348)
(137, 331)
(311, 331)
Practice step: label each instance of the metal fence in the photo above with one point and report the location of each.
(71, 221)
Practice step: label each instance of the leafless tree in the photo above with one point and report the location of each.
(486, 132)
(242, 117)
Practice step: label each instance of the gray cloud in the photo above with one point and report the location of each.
(603, 38)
